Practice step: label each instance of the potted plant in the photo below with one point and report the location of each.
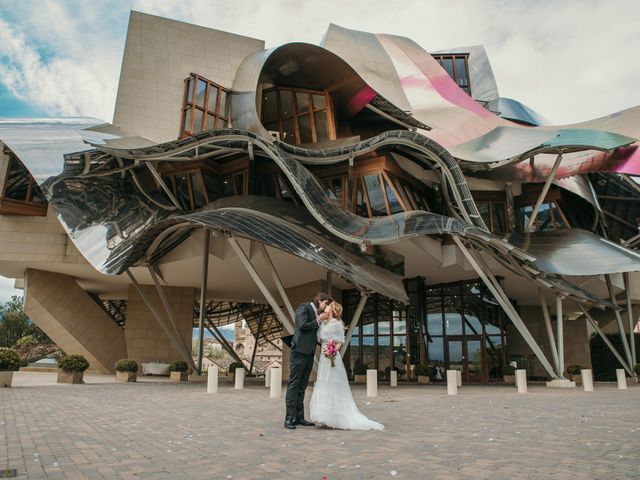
(359, 372)
(126, 370)
(9, 363)
(71, 368)
(179, 370)
(509, 374)
(232, 369)
(573, 372)
(423, 372)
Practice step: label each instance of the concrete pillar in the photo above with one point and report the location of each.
(587, 379)
(459, 378)
(212, 379)
(146, 339)
(452, 382)
(267, 377)
(372, 383)
(239, 373)
(622, 378)
(521, 380)
(275, 388)
(393, 380)
(72, 319)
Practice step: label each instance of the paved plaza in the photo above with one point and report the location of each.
(160, 430)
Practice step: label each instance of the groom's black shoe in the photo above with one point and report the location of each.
(290, 423)
(304, 423)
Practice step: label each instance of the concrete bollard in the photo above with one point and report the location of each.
(267, 377)
(212, 379)
(622, 378)
(372, 383)
(452, 382)
(521, 380)
(459, 378)
(393, 380)
(239, 378)
(275, 382)
(587, 379)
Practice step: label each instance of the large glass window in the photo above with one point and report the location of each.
(549, 217)
(457, 66)
(206, 106)
(298, 116)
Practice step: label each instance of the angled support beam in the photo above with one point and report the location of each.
(354, 321)
(274, 275)
(631, 318)
(203, 295)
(543, 193)
(217, 334)
(595, 326)
(625, 343)
(495, 288)
(177, 343)
(286, 321)
(547, 323)
(560, 335)
(164, 187)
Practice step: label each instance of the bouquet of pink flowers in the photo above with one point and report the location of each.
(330, 351)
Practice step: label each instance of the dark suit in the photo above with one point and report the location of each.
(303, 347)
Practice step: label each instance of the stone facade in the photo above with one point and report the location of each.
(159, 54)
(72, 319)
(146, 340)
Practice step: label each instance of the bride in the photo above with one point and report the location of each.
(331, 402)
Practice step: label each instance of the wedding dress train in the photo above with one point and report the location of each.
(332, 402)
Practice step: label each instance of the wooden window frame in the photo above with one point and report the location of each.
(220, 119)
(296, 115)
(454, 56)
(12, 206)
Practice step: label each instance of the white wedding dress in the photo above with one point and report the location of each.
(331, 402)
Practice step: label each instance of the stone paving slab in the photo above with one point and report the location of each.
(160, 430)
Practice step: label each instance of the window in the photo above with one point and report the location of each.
(457, 66)
(299, 116)
(549, 217)
(206, 106)
(21, 194)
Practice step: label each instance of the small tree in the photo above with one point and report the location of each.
(9, 360)
(73, 363)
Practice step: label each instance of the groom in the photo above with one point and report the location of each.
(303, 347)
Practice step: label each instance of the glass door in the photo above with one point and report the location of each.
(467, 355)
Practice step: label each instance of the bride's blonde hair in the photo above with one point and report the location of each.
(336, 309)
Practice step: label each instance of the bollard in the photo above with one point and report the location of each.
(393, 380)
(587, 379)
(275, 382)
(267, 377)
(239, 378)
(372, 383)
(212, 379)
(452, 382)
(459, 378)
(622, 379)
(521, 380)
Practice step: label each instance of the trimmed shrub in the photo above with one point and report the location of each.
(179, 366)
(234, 365)
(574, 369)
(359, 368)
(9, 360)
(73, 363)
(508, 369)
(424, 370)
(126, 365)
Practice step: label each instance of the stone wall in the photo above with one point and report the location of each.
(146, 340)
(72, 319)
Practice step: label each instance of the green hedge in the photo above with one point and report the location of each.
(9, 360)
(234, 365)
(126, 365)
(179, 366)
(603, 363)
(73, 363)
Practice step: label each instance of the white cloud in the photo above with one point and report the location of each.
(571, 60)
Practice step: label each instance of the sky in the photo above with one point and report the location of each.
(569, 60)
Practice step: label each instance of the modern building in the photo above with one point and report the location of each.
(459, 228)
